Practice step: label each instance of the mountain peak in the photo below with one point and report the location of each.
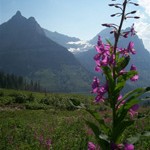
(32, 19)
(18, 16)
(18, 13)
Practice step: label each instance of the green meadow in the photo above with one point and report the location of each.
(43, 121)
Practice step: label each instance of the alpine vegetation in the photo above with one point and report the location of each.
(112, 61)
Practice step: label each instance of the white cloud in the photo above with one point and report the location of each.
(81, 46)
(74, 50)
(143, 31)
(146, 5)
(142, 15)
(79, 43)
(142, 26)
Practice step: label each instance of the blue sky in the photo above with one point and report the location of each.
(79, 18)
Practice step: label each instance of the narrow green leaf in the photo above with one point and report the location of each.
(76, 104)
(138, 90)
(119, 87)
(108, 41)
(131, 103)
(101, 122)
(126, 76)
(94, 128)
(134, 139)
(120, 128)
(104, 144)
(123, 110)
(122, 63)
(146, 133)
(134, 98)
(109, 78)
(107, 72)
(122, 81)
(133, 95)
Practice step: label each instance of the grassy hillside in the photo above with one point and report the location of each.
(42, 121)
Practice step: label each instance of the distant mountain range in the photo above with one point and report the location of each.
(26, 50)
(141, 59)
(74, 45)
(61, 63)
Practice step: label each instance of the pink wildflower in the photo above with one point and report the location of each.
(104, 61)
(135, 77)
(98, 68)
(128, 147)
(119, 98)
(91, 146)
(99, 98)
(95, 85)
(131, 48)
(48, 144)
(133, 110)
(41, 139)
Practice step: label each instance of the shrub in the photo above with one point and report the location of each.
(20, 98)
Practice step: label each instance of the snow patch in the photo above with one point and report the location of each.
(79, 46)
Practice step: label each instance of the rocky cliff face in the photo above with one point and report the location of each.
(25, 50)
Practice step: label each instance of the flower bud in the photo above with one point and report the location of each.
(111, 5)
(136, 17)
(132, 12)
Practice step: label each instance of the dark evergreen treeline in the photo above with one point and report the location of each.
(11, 81)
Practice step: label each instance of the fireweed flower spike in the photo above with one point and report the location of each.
(112, 61)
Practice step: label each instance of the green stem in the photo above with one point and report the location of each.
(114, 75)
(120, 26)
